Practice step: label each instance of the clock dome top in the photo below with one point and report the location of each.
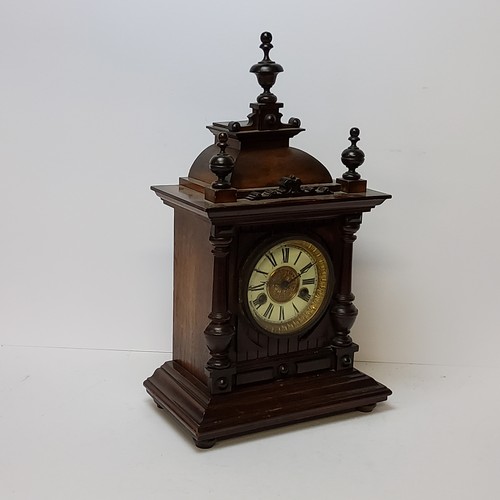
(258, 147)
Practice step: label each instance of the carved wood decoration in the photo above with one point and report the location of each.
(263, 302)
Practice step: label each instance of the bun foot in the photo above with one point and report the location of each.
(366, 408)
(204, 444)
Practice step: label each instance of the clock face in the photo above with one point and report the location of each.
(288, 285)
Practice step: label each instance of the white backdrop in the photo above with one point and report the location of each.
(100, 99)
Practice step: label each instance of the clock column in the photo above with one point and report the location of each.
(344, 311)
(220, 332)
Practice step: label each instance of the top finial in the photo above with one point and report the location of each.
(266, 70)
(266, 38)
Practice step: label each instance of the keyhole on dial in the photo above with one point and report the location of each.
(260, 300)
(304, 294)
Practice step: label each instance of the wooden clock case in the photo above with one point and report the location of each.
(228, 377)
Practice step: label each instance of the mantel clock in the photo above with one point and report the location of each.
(263, 307)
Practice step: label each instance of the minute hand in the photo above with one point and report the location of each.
(303, 270)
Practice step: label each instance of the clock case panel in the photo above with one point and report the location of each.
(251, 355)
(241, 394)
(255, 355)
(260, 355)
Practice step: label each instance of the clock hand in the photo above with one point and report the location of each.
(300, 274)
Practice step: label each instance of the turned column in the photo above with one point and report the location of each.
(344, 312)
(220, 331)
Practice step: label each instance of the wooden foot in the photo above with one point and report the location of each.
(204, 444)
(159, 406)
(366, 408)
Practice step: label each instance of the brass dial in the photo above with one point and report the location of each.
(288, 286)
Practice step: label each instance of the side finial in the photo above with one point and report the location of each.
(221, 164)
(352, 157)
(266, 70)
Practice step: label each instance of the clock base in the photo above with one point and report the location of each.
(210, 418)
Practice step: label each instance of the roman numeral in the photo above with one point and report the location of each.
(295, 307)
(282, 314)
(298, 257)
(271, 258)
(285, 252)
(261, 272)
(309, 281)
(304, 295)
(269, 310)
(306, 268)
(256, 288)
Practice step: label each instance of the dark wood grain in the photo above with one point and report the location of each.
(209, 418)
(256, 167)
(193, 271)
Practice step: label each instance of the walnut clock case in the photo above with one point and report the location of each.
(263, 307)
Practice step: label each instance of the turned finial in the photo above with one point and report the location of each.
(266, 70)
(221, 164)
(266, 38)
(352, 157)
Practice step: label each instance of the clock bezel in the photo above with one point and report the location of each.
(251, 261)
